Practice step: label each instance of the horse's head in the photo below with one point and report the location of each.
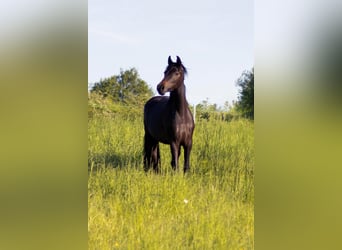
(173, 76)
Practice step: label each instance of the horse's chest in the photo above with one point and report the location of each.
(182, 130)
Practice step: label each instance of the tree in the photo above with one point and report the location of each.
(245, 103)
(126, 88)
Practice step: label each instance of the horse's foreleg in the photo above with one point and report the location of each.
(187, 150)
(175, 149)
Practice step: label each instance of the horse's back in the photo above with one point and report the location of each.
(156, 100)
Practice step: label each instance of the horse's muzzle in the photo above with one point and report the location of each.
(161, 89)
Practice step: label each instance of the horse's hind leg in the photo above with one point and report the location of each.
(156, 158)
(147, 152)
(151, 153)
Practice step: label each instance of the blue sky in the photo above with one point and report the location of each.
(214, 39)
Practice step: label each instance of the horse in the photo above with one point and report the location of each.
(168, 119)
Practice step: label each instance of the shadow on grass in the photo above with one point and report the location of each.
(113, 160)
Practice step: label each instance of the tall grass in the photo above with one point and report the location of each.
(209, 208)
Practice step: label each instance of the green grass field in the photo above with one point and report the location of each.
(212, 207)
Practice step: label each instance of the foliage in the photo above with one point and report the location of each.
(208, 111)
(121, 95)
(125, 88)
(211, 208)
(205, 110)
(100, 106)
(245, 102)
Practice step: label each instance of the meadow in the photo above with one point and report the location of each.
(212, 207)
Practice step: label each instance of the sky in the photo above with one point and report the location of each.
(213, 38)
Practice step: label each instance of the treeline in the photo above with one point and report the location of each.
(122, 95)
(126, 93)
(211, 111)
(242, 108)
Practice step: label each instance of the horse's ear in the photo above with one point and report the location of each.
(169, 61)
(179, 62)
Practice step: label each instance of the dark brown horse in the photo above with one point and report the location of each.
(168, 119)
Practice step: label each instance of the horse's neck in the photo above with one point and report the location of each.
(177, 98)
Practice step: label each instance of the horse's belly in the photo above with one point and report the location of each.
(160, 134)
(157, 129)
